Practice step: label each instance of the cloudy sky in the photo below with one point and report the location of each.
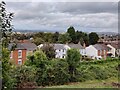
(58, 16)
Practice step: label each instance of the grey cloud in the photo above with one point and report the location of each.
(54, 15)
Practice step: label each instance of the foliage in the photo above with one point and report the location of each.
(56, 73)
(5, 25)
(93, 38)
(64, 38)
(71, 32)
(100, 70)
(7, 81)
(38, 41)
(25, 76)
(40, 62)
(55, 37)
(49, 51)
(73, 58)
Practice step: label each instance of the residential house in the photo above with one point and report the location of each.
(78, 47)
(61, 49)
(114, 50)
(97, 51)
(20, 51)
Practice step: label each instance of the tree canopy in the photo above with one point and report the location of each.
(93, 38)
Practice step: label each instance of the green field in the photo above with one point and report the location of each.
(90, 84)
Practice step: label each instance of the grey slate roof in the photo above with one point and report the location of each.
(56, 46)
(59, 46)
(28, 46)
(76, 46)
(101, 47)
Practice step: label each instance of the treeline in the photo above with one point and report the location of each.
(71, 36)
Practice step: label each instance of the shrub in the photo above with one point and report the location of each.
(25, 76)
(57, 72)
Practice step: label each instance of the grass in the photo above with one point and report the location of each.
(90, 84)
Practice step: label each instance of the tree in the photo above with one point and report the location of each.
(5, 25)
(57, 72)
(5, 29)
(40, 62)
(7, 80)
(73, 59)
(55, 37)
(64, 38)
(38, 41)
(71, 32)
(25, 76)
(79, 36)
(86, 39)
(49, 51)
(93, 38)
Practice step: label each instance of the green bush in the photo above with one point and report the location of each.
(24, 76)
(57, 72)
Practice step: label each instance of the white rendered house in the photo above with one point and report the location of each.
(97, 51)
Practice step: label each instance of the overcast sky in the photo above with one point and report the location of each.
(54, 16)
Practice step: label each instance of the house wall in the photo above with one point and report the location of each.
(82, 51)
(102, 53)
(112, 50)
(60, 53)
(14, 56)
(91, 51)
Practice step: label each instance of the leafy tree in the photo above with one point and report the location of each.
(86, 39)
(49, 51)
(64, 38)
(71, 32)
(38, 41)
(6, 28)
(93, 38)
(55, 37)
(78, 36)
(25, 76)
(57, 72)
(7, 81)
(40, 61)
(48, 37)
(73, 58)
(5, 25)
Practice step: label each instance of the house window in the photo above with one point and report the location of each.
(19, 53)
(19, 61)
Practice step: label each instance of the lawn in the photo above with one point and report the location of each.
(90, 84)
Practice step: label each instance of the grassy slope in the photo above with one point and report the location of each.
(90, 84)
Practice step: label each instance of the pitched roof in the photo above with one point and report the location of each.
(76, 46)
(59, 46)
(28, 46)
(100, 47)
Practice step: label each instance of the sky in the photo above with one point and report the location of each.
(58, 16)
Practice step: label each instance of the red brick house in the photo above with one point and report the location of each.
(20, 52)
